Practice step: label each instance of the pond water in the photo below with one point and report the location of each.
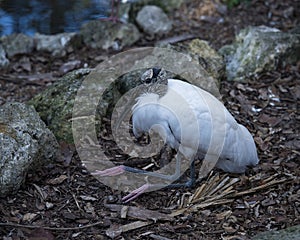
(49, 16)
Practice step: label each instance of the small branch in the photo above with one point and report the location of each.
(51, 228)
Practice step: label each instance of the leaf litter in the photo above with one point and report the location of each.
(64, 201)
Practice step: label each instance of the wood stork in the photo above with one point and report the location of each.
(171, 118)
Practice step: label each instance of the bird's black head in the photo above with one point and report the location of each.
(154, 75)
(156, 72)
(155, 80)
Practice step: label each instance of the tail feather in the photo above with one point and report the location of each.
(240, 152)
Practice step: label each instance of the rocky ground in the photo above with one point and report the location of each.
(71, 204)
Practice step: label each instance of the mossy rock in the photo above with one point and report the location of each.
(55, 104)
(260, 49)
(291, 233)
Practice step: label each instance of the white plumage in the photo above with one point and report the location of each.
(239, 149)
(193, 122)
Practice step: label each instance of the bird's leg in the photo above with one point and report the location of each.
(189, 183)
(121, 169)
(114, 12)
(188, 154)
(114, 171)
(146, 187)
(134, 194)
(110, 171)
(137, 192)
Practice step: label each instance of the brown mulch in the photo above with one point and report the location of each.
(63, 201)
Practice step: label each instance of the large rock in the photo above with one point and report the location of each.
(211, 63)
(25, 144)
(153, 20)
(260, 49)
(58, 44)
(135, 6)
(291, 233)
(55, 104)
(3, 60)
(17, 44)
(208, 58)
(106, 34)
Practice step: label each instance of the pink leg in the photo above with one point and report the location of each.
(110, 171)
(114, 12)
(134, 194)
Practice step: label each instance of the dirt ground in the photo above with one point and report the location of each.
(63, 201)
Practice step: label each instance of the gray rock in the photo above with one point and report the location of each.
(17, 44)
(153, 20)
(260, 49)
(3, 60)
(25, 144)
(105, 35)
(166, 5)
(129, 11)
(55, 104)
(291, 233)
(208, 58)
(210, 64)
(58, 44)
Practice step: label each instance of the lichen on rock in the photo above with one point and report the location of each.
(259, 49)
(25, 144)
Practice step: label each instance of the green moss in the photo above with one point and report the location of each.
(3, 128)
(55, 104)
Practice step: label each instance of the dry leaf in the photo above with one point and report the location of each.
(138, 213)
(29, 217)
(58, 180)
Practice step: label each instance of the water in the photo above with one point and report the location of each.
(49, 16)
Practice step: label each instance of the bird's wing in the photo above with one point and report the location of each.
(150, 114)
(220, 136)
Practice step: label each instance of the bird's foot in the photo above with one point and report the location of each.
(110, 171)
(137, 192)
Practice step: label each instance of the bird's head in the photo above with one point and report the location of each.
(155, 80)
(154, 76)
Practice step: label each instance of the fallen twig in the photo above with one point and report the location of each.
(51, 228)
(117, 231)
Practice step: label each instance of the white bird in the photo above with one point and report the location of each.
(193, 122)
